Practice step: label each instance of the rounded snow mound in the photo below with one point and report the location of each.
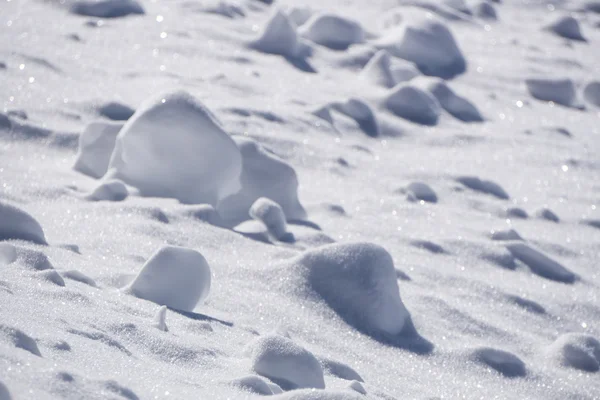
(577, 350)
(591, 93)
(286, 363)
(18, 224)
(547, 214)
(457, 106)
(270, 214)
(96, 145)
(483, 186)
(176, 277)
(263, 175)
(279, 36)
(558, 90)
(502, 361)
(174, 147)
(428, 43)
(414, 104)
(361, 113)
(310, 394)
(254, 384)
(358, 281)
(299, 14)
(110, 190)
(421, 191)
(19, 339)
(568, 27)
(383, 70)
(332, 31)
(485, 10)
(106, 8)
(115, 111)
(540, 264)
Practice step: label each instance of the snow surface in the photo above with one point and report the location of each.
(500, 306)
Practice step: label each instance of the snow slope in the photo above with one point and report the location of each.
(387, 199)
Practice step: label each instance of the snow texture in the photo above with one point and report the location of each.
(270, 214)
(502, 361)
(263, 175)
(485, 10)
(116, 111)
(332, 31)
(109, 190)
(96, 145)
(421, 191)
(567, 27)
(19, 339)
(160, 319)
(591, 93)
(175, 277)
(173, 146)
(254, 384)
(414, 104)
(558, 90)
(483, 186)
(106, 8)
(286, 363)
(541, 264)
(457, 106)
(576, 350)
(279, 36)
(16, 223)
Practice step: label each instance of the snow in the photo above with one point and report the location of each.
(458, 106)
(16, 223)
(286, 363)
(96, 144)
(175, 277)
(208, 163)
(333, 31)
(566, 26)
(558, 90)
(414, 104)
(421, 191)
(109, 190)
(591, 93)
(491, 313)
(106, 8)
(271, 214)
(263, 175)
(427, 42)
(485, 10)
(279, 36)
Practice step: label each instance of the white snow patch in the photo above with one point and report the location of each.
(360, 112)
(109, 190)
(299, 14)
(173, 146)
(279, 36)
(79, 277)
(483, 186)
(310, 394)
(50, 275)
(255, 384)
(19, 339)
(502, 361)
(18, 224)
(175, 277)
(8, 253)
(357, 387)
(160, 319)
(591, 93)
(566, 26)
(96, 145)
(457, 106)
(286, 363)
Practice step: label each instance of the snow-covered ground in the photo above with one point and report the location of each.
(346, 199)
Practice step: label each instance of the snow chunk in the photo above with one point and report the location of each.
(360, 112)
(502, 361)
(202, 212)
(484, 186)
(109, 190)
(414, 104)
(577, 350)
(263, 175)
(96, 144)
(383, 70)
(116, 111)
(516, 212)
(224, 8)
(591, 93)
(509, 234)
(547, 214)
(8, 253)
(253, 384)
(18, 339)
(279, 36)
(18, 224)
(427, 42)
(106, 8)
(176, 277)
(332, 31)
(541, 264)
(299, 14)
(160, 319)
(485, 10)
(566, 26)
(558, 90)
(357, 387)
(174, 147)
(286, 363)
(254, 230)
(79, 277)
(358, 281)
(421, 191)
(457, 106)
(339, 369)
(271, 214)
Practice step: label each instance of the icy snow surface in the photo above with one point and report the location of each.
(387, 199)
